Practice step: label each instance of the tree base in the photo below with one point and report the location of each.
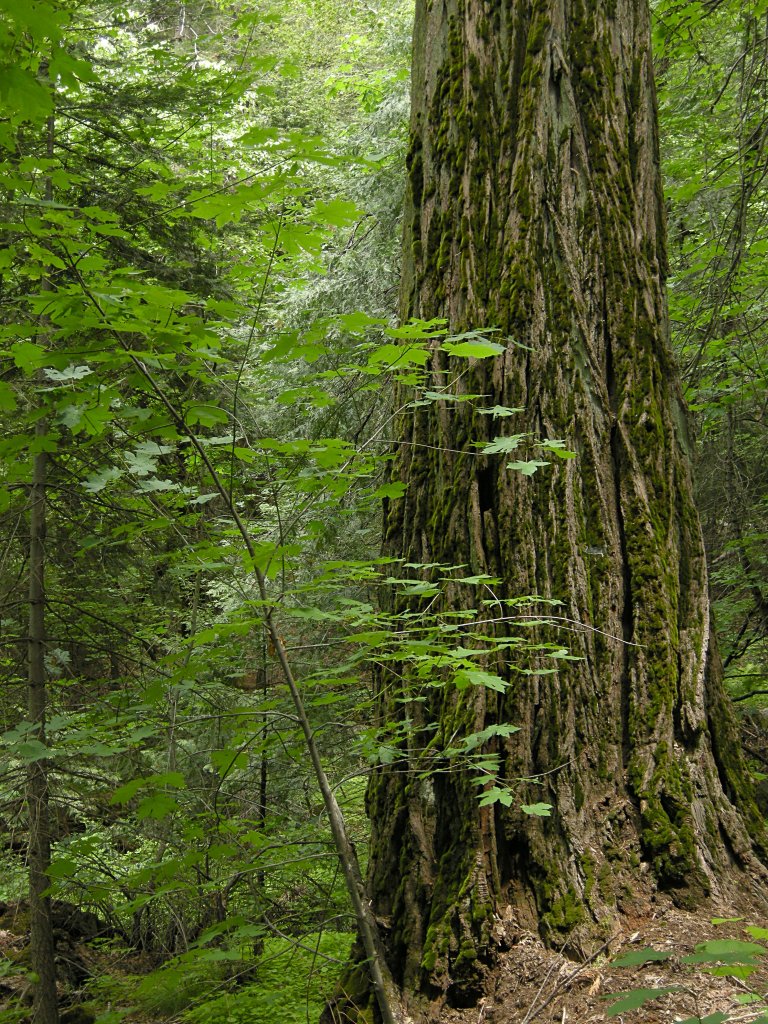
(523, 980)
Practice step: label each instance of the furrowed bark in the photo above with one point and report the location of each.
(535, 208)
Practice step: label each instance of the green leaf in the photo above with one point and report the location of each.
(539, 810)
(479, 349)
(476, 739)
(636, 998)
(31, 750)
(226, 761)
(755, 932)
(154, 485)
(358, 321)
(264, 554)
(157, 806)
(127, 792)
(337, 213)
(98, 481)
(557, 448)
(62, 867)
(737, 970)
(23, 95)
(748, 998)
(502, 445)
(392, 357)
(7, 397)
(393, 490)
(205, 415)
(329, 698)
(496, 794)
(40, 20)
(480, 578)
(97, 749)
(258, 136)
(331, 452)
(722, 949)
(69, 70)
(419, 329)
(500, 410)
(314, 396)
(445, 396)
(72, 372)
(527, 468)
(640, 956)
(28, 356)
(475, 677)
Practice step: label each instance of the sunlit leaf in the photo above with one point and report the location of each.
(538, 810)
(475, 677)
(336, 212)
(479, 349)
(71, 373)
(502, 445)
(527, 468)
(393, 357)
(496, 795)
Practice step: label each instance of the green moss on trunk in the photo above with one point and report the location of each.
(535, 209)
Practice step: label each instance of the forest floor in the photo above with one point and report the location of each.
(103, 981)
(528, 984)
(531, 983)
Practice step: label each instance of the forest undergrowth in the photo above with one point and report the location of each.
(201, 208)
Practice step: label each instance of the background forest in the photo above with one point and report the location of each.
(198, 308)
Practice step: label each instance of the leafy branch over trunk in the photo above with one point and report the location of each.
(535, 210)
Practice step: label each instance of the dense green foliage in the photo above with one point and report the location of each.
(712, 60)
(171, 240)
(200, 213)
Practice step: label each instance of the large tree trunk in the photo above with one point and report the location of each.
(535, 207)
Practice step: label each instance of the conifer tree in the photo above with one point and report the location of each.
(535, 209)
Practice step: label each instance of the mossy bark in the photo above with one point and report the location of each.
(535, 207)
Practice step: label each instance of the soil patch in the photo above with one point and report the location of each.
(531, 984)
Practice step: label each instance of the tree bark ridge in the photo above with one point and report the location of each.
(535, 209)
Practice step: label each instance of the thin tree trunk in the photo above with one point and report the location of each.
(535, 209)
(42, 945)
(261, 809)
(385, 994)
(42, 948)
